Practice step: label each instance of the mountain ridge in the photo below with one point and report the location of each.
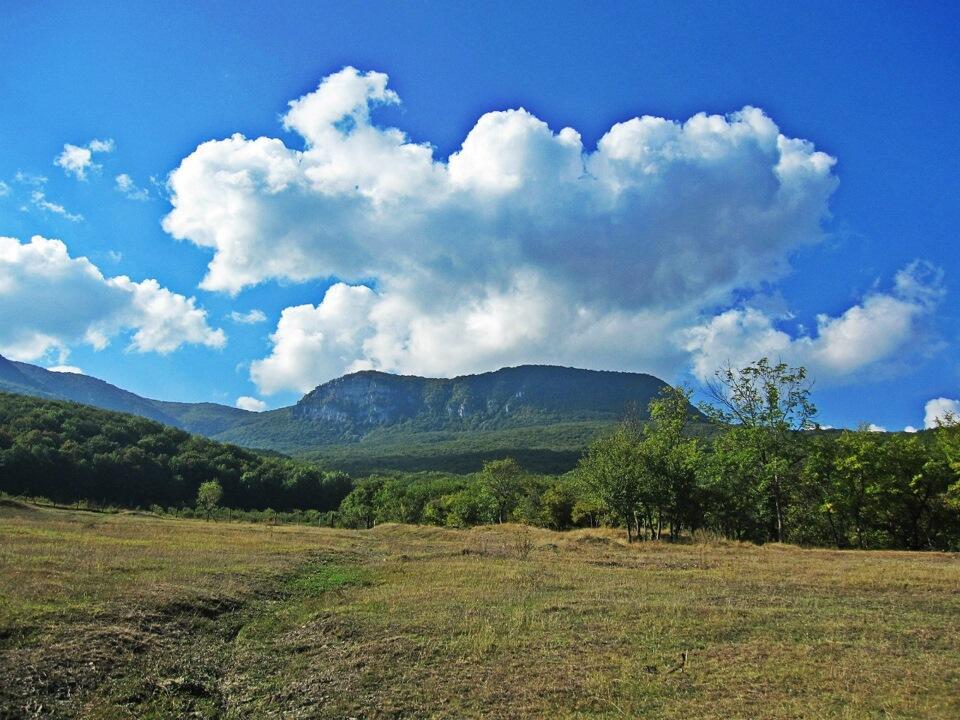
(368, 412)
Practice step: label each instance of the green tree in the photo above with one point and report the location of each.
(844, 477)
(503, 479)
(613, 472)
(768, 404)
(671, 461)
(208, 497)
(358, 509)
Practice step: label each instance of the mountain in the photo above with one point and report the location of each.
(203, 418)
(12, 380)
(199, 418)
(89, 391)
(542, 415)
(511, 397)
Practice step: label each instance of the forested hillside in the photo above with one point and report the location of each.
(373, 421)
(201, 418)
(69, 452)
(369, 421)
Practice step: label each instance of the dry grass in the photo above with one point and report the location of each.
(246, 621)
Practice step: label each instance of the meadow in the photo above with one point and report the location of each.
(133, 616)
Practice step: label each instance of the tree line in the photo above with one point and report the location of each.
(765, 473)
(68, 452)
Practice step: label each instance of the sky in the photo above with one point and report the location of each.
(233, 203)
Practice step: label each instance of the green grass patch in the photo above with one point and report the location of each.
(319, 579)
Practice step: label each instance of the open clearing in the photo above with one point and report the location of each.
(132, 616)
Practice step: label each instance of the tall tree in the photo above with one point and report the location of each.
(768, 403)
(503, 478)
(613, 472)
(670, 461)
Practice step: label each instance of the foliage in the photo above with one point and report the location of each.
(768, 404)
(208, 497)
(613, 472)
(502, 479)
(69, 453)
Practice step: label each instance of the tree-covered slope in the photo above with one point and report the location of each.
(89, 391)
(369, 420)
(511, 397)
(201, 418)
(68, 452)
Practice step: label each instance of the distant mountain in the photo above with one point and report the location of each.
(12, 380)
(373, 420)
(203, 418)
(199, 418)
(511, 397)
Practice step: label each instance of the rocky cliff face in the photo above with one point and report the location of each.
(525, 395)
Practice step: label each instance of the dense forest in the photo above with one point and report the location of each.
(68, 452)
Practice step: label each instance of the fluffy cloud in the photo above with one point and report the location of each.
(938, 409)
(76, 160)
(518, 241)
(316, 341)
(50, 301)
(248, 318)
(661, 211)
(245, 402)
(131, 191)
(355, 328)
(884, 325)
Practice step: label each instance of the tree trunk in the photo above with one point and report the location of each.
(776, 504)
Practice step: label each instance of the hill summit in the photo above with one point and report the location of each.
(510, 397)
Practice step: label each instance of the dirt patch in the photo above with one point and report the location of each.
(169, 656)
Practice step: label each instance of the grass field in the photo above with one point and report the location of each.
(132, 616)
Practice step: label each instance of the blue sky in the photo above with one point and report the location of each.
(495, 273)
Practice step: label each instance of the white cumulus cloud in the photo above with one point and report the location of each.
(882, 326)
(316, 341)
(938, 409)
(50, 301)
(523, 245)
(245, 402)
(76, 160)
